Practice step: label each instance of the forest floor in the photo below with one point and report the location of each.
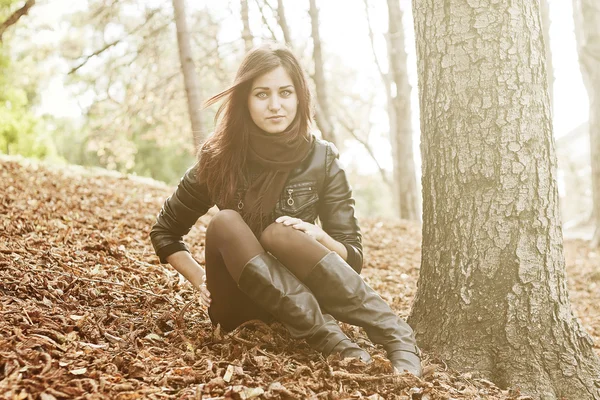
(86, 311)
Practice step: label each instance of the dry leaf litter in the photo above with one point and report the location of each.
(86, 310)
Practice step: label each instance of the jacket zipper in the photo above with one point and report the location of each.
(240, 204)
(290, 201)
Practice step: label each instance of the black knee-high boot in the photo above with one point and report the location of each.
(267, 282)
(345, 295)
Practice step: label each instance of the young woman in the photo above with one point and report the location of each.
(265, 256)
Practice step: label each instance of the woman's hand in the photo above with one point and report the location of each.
(204, 293)
(316, 232)
(183, 262)
(312, 230)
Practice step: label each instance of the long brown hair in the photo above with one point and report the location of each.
(223, 156)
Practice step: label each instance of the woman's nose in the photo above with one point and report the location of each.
(274, 104)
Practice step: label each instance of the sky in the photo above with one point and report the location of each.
(347, 36)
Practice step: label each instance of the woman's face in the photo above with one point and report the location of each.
(272, 101)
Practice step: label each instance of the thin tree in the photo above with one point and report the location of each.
(587, 32)
(387, 84)
(192, 87)
(345, 119)
(246, 32)
(401, 137)
(285, 29)
(492, 293)
(323, 115)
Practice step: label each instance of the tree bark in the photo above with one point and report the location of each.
(14, 17)
(192, 87)
(492, 293)
(545, 13)
(401, 137)
(323, 113)
(587, 32)
(246, 32)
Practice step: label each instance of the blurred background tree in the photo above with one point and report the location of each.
(587, 32)
(103, 83)
(19, 129)
(99, 82)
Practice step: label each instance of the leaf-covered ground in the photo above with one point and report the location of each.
(86, 311)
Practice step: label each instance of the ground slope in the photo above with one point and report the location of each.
(86, 311)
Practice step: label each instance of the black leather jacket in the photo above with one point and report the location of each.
(317, 188)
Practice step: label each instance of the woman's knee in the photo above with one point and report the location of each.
(276, 236)
(224, 221)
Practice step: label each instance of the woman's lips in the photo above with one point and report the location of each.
(276, 119)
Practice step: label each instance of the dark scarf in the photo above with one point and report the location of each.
(277, 155)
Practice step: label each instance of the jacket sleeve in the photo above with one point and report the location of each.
(336, 210)
(178, 214)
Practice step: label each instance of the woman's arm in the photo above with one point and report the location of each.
(179, 213)
(334, 245)
(185, 264)
(336, 211)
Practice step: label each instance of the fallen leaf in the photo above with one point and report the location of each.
(228, 373)
(79, 371)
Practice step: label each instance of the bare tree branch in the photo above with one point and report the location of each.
(323, 114)
(385, 78)
(12, 19)
(103, 9)
(94, 54)
(117, 41)
(246, 32)
(343, 122)
(264, 20)
(282, 21)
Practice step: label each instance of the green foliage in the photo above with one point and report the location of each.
(373, 197)
(6, 6)
(134, 104)
(136, 155)
(166, 164)
(20, 132)
(127, 81)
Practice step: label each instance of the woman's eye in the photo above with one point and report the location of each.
(261, 95)
(286, 93)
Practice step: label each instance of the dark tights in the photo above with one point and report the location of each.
(230, 244)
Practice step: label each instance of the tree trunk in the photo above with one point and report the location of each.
(283, 23)
(401, 137)
(545, 13)
(492, 296)
(323, 114)
(192, 87)
(246, 32)
(587, 31)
